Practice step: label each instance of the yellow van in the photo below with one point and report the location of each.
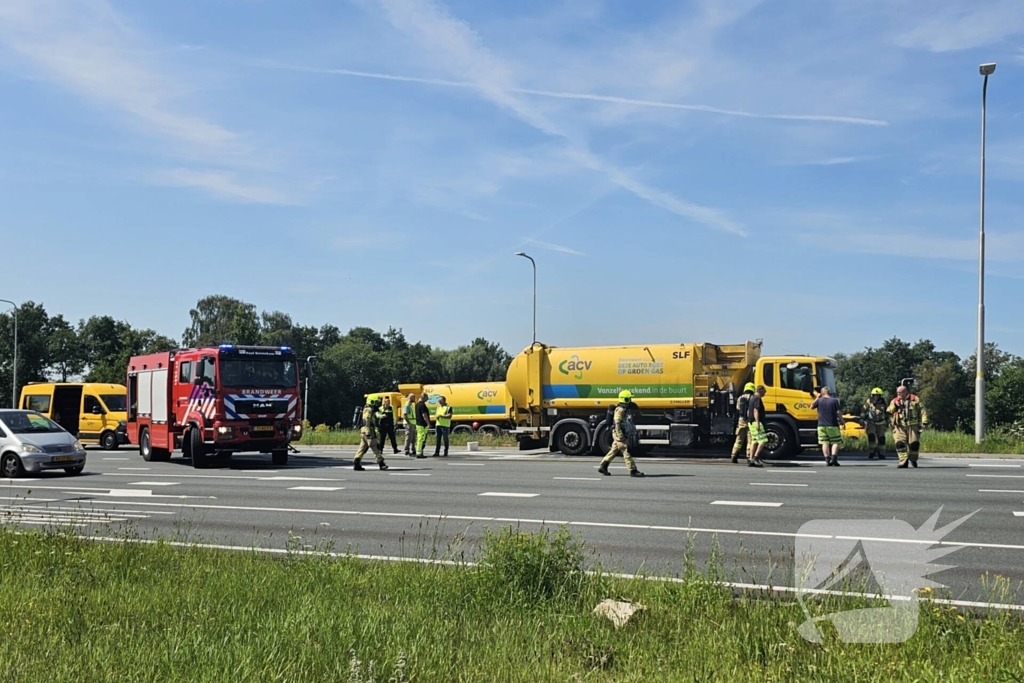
(95, 413)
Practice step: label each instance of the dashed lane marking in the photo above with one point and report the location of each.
(316, 488)
(577, 478)
(746, 503)
(135, 469)
(153, 483)
(1000, 491)
(117, 459)
(409, 474)
(978, 464)
(774, 483)
(499, 494)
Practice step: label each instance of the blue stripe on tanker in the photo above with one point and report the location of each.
(549, 391)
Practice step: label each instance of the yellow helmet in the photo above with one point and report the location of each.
(625, 395)
(372, 398)
(750, 387)
(876, 392)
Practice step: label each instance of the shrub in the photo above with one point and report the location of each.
(528, 567)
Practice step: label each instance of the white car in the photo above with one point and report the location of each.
(30, 442)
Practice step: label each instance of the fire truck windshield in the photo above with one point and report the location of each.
(269, 373)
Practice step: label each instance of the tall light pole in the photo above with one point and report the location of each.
(14, 367)
(305, 401)
(524, 255)
(979, 382)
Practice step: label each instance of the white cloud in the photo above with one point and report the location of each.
(88, 49)
(963, 24)
(999, 247)
(554, 247)
(457, 48)
(221, 184)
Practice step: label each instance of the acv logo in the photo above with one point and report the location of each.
(574, 366)
(486, 394)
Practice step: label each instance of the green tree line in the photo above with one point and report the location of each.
(943, 381)
(347, 366)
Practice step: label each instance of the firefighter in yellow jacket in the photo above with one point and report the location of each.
(742, 443)
(368, 434)
(908, 417)
(621, 428)
(876, 423)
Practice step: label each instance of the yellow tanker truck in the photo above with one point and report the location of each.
(684, 394)
(476, 406)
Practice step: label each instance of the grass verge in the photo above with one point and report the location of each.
(73, 610)
(996, 443)
(350, 437)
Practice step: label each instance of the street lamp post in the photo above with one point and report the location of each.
(986, 70)
(305, 401)
(14, 367)
(519, 253)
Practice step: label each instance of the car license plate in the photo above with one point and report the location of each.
(263, 428)
(64, 458)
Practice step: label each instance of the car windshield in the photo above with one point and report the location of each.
(258, 374)
(26, 422)
(115, 402)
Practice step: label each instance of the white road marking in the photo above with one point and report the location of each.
(774, 483)
(438, 517)
(746, 503)
(16, 481)
(1000, 491)
(791, 470)
(978, 464)
(117, 458)
(293, 479)
(577, 478)
(466, 464)
(153, 483)
(997, 476)
(498, 494)
(409, 474)
(135, 469)
(215, 476)
(317, 488)
(1018, 514)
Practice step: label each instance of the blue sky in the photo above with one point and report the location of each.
(801, 172)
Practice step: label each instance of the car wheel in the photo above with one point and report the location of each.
(279, 457)
(572, 439)
(74, 470)
(109, 441)
(11, 467)
(197, 448)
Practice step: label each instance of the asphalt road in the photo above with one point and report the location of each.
(439, 507)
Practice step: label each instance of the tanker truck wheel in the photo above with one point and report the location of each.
(493, 430)
(604, 441)
(571, 439)
(462, 429)
(781, 442)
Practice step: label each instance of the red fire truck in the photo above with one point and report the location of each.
(214, 402)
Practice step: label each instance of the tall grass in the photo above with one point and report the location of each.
(73, 610)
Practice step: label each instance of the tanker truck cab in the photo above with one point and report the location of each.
(791, 384)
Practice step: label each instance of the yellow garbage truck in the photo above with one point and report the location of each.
(684, 395)
(476, 406)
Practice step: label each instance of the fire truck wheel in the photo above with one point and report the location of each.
(145, 448)
(196, 448)
(279, 457)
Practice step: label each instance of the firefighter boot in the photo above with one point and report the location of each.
(358, 467)
(635, 473)
(383, 465)
(603, 469)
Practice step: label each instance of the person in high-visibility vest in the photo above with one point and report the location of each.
(409, 414)
(442, 426)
